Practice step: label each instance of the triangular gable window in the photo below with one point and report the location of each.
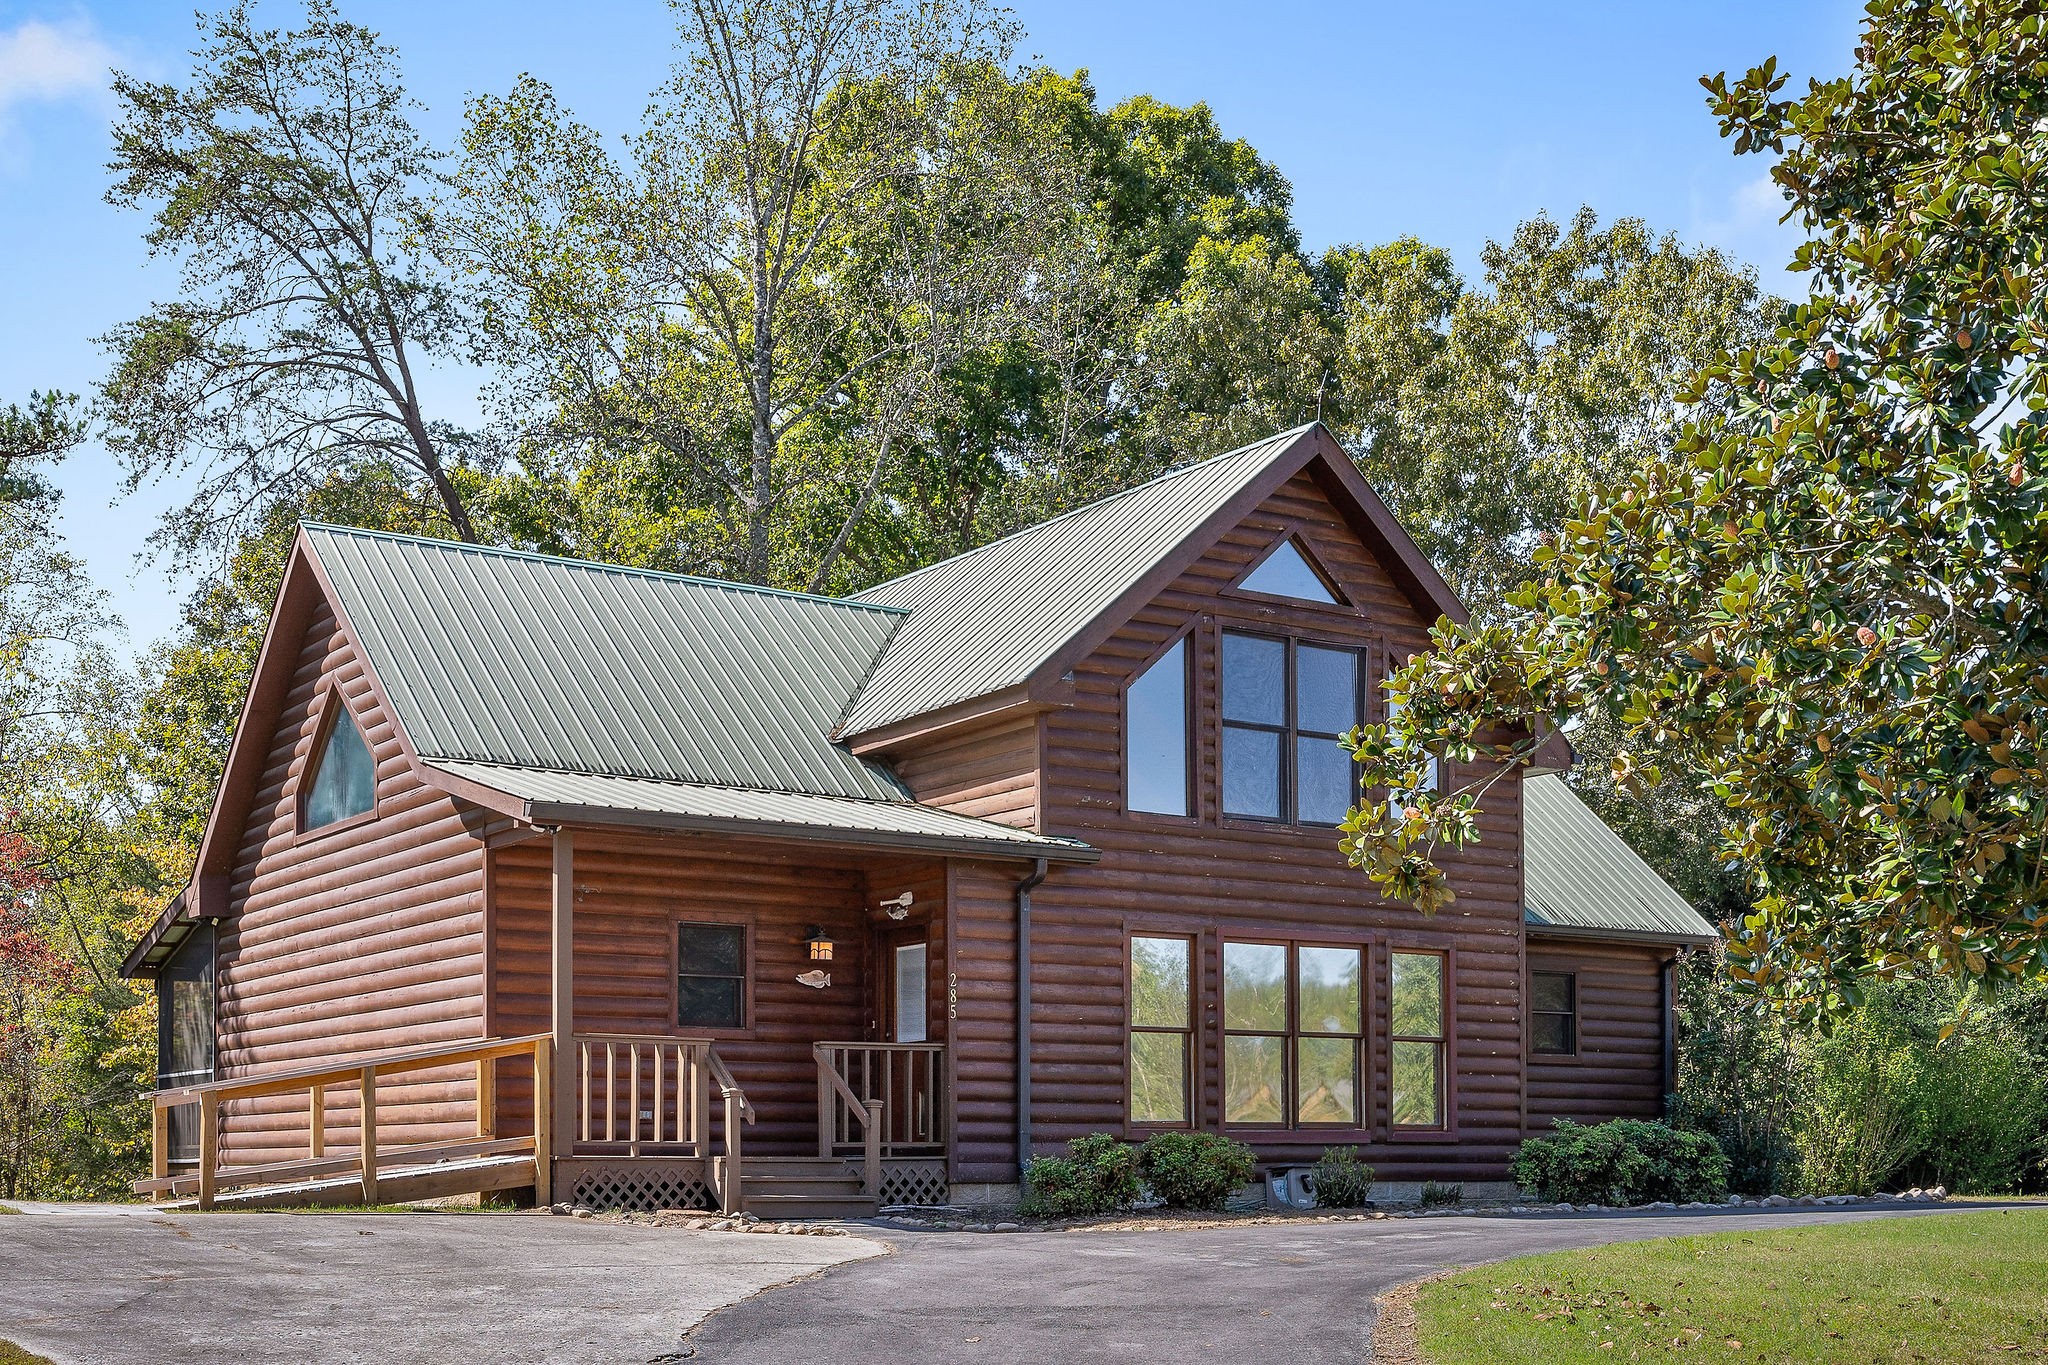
(344, 775)
(1287, 573)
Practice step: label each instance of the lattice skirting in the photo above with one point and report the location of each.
(635, 1186)
(914, 1180)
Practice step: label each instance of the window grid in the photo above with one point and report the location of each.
(711, 975)
(1288, 734)
(1281, 1047)
(1160, 1047)
(1413, 1106)
(1554, 1014)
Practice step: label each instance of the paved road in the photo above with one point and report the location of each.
(255, 1288)
(1297, 1293)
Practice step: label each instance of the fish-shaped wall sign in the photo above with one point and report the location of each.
(816, 980)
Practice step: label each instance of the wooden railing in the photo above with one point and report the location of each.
(908, 1078)
(363, 1075)
(650, 1095)
(839, 1108)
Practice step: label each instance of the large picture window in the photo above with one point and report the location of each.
(1285, 703)
(1416, 1040)
(1162, 1012)
(711, 976)
(1292, 1025)
(1156, 735)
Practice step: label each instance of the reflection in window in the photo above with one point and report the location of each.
(1293, 1021)
(1156, 735)
(1416, 1039)
(910, 993)
(1162, 981)
(1286, 573)
(1429, 768)
(1554, 1013)
(1285, 706)
(344, 775)
(711, 975)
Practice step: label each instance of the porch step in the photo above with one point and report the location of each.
(802, 1187)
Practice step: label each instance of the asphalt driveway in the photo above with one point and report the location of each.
(253, 1289)
(453, 1289)
(1296, 1292)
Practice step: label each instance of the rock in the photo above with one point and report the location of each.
(1775, 1201)
(562, 1209)
(1661, 1204)
(1007, 1227)
(1563, 1208)
(585, 1213)
(1806, 1201)
(1517, 1208)
(1733, 1201)
(1938, 1192)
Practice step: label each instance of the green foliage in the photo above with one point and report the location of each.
(39, 434)
(1435, 1196)
(1341, 1180)
(1195, 1170)
(1735, 1063)
(1099, 1174)
(1825, 602)
(1622, 1162)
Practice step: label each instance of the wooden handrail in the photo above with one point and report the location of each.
(720, 1074)
(386, 1063)
(367, 1073)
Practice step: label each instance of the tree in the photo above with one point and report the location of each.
(289, 183)
(1829, 597)
(36, 435)
(832, 205)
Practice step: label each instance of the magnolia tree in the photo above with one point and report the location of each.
(1829, 598)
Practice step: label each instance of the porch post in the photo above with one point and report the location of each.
(562, 992)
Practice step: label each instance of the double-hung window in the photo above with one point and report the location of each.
(1161, 1019)
(1554, 1013)
(1285, 703)
(711, 975)
(1415, 1039)
(1293, 1018)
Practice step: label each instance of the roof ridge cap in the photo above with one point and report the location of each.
(599, 565)
(1103, 501)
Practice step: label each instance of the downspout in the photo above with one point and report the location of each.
(1666, 1015)
(1024, 888)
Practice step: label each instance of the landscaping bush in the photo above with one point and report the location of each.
(1622, 1162)
(1435, 1196)
(1195, 1170)
(1735, 1074)
(1099, 1174)
(1341, 1180)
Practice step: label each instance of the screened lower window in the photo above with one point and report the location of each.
(1554, 1013)
(1292, 1024)
(711, 975)
(1285, 705)
(1415, 1040)
(1162, 1011)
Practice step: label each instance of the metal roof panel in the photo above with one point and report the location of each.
(1579, 876)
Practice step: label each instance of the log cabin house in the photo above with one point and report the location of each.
(644, 890)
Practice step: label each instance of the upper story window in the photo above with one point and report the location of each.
(1431, 771)
(1156, 735)
(344, 774)
(1284, 705)
(1286, 572)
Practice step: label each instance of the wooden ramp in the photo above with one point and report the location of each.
(395, 1185)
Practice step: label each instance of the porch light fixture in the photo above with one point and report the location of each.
(821, 945)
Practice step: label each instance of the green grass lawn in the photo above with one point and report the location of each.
(10, 1354)
(1949, 1289)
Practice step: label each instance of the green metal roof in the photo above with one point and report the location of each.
(1581, 878)
(492, 656)
(986, 620)
(552, 797)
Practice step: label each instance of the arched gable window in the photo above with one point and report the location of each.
(1287, 572)
(344, 775)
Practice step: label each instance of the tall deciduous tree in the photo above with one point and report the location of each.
(288, 182)
(1830, 596)
(834, 203)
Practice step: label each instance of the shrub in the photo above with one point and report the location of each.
(1622, 1162)
(1195, 1170)
(1435, 1196)
(1735, 1074)
(1341, 1180)
(1099, 1174)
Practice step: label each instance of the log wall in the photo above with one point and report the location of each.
(1619, 1069)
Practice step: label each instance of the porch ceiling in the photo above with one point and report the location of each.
(555, 797)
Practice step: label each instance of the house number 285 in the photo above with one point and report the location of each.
(952, 995)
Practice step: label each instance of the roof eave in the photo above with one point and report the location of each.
(1670, 939)
(617, 817)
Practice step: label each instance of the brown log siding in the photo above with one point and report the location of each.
(348, 940)
(1219, 878)
(1619, 1069)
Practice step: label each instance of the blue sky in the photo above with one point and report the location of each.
(1449, 121)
